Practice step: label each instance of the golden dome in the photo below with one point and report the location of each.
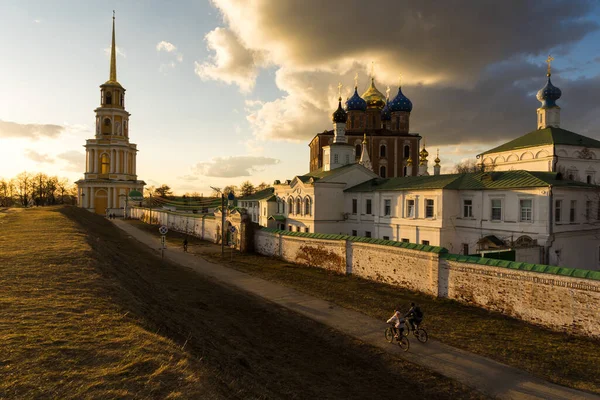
(409, 162)
(373, 97)
(424, 153)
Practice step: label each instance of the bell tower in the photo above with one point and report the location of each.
(110, 172)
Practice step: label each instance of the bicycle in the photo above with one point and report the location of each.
(401, 340)
(419, 333)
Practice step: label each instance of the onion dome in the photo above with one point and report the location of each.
(400, 102)
(437, 158)
(356, 103)
(339, 115)
(373, 97)
(409, 161)
(386, 114)
(548, 95)
(424, 153)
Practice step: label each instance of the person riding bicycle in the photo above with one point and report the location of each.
(398, 322)
(414, 316)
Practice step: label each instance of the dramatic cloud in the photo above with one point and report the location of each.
(75, 160)
(231, 167)
(38, 157)
(466, 67)
(29, 131)
(232, 63)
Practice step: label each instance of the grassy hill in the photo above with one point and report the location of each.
(86, 312)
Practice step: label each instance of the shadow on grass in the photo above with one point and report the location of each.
(258, 349)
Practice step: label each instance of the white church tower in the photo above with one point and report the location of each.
(548, 115)
(338, 153)
(110, 167)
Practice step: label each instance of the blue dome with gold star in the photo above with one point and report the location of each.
(356, 103)
(386, 114)
(339, 115)
(548, 95)
(400, 103)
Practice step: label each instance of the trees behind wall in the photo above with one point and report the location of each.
(38, 189)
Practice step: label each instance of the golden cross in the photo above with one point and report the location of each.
(387, 92)
(113, 14)
(400, 80)
(356, 80)
(549, 60)
(340, 90)
(372, 69)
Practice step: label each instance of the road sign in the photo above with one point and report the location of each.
(232, 229)
(163, 230)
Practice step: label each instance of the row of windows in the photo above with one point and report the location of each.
(387, 208)
(107, 98)
(383, 150)
(526, 210)
(281, 206)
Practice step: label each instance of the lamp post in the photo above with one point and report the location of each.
(222, 220)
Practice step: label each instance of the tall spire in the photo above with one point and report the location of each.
(113, 55)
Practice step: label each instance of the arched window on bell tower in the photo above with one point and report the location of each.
(104, 164)
(108, 98)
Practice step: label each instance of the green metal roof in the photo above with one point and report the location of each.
(547, 136)
(320, 173)
(470, 181)
(277, 217)
(260, 195)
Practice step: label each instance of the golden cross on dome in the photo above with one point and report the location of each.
(340, 90)
(113, 14)
(549, 61)
(372, 69)
(400, 80)
(356, 80)
(387, 92)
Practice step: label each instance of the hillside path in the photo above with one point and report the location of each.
(488, 376)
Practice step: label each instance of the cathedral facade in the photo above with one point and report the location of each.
(384, 125)
(110, 168)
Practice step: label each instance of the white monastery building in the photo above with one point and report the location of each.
(535, 199)
(110, 167)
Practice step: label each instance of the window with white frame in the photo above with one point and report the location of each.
(467, 208)
(354, 206)
(307, 206)
(354, 232)
(429, 208)
(387, 207)
(410, 208)
(496, 214)
(572, 210)
(557, 210)
(290, 203)
(336, 158)
(368, 207)
(298, 206)
(367, 234)
(526, 206)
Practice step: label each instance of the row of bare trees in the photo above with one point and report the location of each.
(27, 189)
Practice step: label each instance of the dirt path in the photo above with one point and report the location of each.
(490, 377)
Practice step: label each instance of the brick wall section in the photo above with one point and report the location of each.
(411, 269)
(562, 303)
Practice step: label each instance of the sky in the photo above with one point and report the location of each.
(224, 91)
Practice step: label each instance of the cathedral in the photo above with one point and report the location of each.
(379, 125)
(110, 169)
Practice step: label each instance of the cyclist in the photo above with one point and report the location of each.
(398, 321)
(414, 316)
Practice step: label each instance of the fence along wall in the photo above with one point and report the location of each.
(200, 225)
(562, 299)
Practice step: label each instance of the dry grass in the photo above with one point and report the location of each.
(86, 312)
(567, 360)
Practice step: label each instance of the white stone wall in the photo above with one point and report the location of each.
(561, 303)
(202, 226)
(411, 269)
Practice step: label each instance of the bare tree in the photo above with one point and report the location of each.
(262, 186)
(24, 186)
(471, 165)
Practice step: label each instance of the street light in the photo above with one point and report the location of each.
(222, 220)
